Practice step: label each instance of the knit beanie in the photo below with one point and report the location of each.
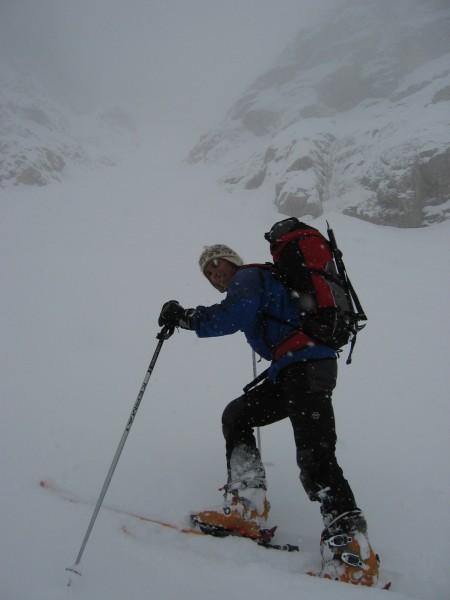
(219, 251)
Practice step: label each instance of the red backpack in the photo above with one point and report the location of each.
(311, 267)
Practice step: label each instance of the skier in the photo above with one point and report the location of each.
(299, 386)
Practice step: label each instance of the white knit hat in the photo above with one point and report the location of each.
(219, 251)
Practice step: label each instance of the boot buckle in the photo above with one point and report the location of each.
(353, 560)
(338, 541)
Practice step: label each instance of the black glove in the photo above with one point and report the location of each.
(174, 315)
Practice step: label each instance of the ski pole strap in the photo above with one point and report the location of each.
(255, 382)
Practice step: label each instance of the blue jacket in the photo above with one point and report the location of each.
(252, 292)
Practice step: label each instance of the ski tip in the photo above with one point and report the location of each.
(47, 485)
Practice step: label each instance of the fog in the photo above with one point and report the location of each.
(172, 63)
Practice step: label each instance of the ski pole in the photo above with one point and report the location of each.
(163, 335)
(258, 433)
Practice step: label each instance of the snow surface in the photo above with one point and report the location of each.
(85, 267)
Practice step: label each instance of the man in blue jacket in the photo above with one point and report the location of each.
(301, 378)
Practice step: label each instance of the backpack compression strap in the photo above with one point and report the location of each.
(296, 340)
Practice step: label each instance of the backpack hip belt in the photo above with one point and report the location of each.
(297, 340)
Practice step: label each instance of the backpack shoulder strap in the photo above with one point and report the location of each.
(267, 266)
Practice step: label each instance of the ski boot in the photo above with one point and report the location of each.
(244, 514)
(346, 552)
(245, 508)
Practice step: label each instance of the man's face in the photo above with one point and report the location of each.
(220, 272)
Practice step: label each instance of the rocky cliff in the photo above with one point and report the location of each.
(355, 114)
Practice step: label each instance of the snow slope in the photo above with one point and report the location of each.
(85, 268)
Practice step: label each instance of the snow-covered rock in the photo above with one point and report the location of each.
(41, 140)
(355, 113)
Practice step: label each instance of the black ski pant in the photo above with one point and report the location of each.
(301, 393)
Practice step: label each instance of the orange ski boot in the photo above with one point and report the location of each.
(346, 551)
(245, 514)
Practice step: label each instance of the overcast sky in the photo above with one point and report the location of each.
(174, 61)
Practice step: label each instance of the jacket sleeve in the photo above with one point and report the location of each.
(236, 312)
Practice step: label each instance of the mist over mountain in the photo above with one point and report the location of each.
(42, 139)
(355, 115)
(79, 80)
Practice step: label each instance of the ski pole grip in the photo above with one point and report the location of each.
(165, 333)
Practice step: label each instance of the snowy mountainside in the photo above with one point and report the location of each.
(355, 115)
(43, 140)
